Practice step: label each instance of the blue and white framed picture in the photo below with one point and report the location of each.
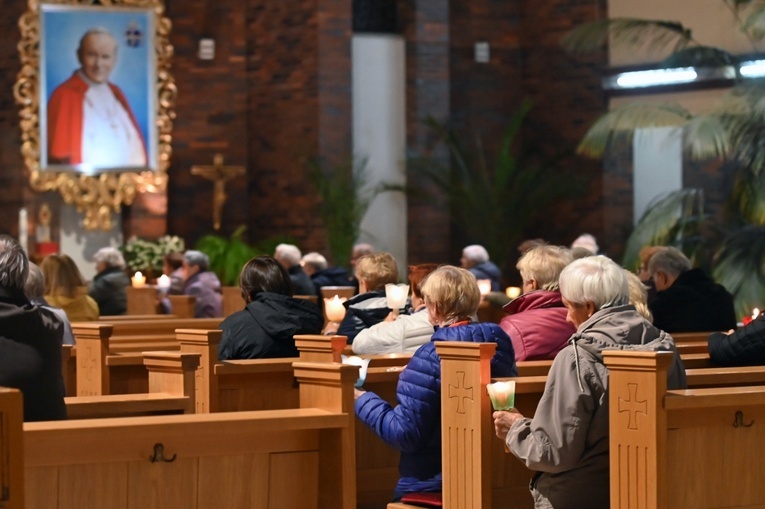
(98, 88)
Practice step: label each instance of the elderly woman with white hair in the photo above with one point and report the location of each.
(567, 440)
(109, 283)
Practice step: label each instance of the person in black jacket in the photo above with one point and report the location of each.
(742, 347)
(30, 342)
(475, 258)
(266, 326)
(686, 299)
(315, 265)
(289, 256)
(108, 287)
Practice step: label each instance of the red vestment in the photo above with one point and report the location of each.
(65, 109)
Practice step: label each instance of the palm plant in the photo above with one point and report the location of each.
(731, 131)
(493, 204)
(346, 194)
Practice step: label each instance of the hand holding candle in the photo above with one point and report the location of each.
(139, 280)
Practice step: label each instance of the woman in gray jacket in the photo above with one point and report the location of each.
(567, 440)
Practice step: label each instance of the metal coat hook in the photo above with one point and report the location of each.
(739, 421)
(159, 455)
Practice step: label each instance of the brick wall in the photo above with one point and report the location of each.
(279, 91)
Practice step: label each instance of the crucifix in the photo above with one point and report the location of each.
(219, 174)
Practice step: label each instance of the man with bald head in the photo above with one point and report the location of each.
(89, 120)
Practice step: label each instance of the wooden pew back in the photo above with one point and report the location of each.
(466, 412)
(12, 494)
(300, 457)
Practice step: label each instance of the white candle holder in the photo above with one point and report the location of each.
(512, 292)
(334, 309)
(139, 280)
(395, 296)
(484, 285)
(163, 283)
(502, 395)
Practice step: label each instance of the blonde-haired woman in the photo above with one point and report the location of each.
(65, 288)
(638, 295)
(414, 425)
(369, 307)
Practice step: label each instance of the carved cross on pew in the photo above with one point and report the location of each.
(461, 392)
(219, 174)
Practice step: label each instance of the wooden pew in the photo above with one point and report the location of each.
(269, 383)
(232, 300)
(474, 459)
(11, 449)
(681, 449)
(300, 457)
(108, 356)
(171, 390)
(142, 301)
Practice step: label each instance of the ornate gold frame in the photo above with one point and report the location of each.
(96, 196)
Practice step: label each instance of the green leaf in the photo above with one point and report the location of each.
(754, 22)
(671, 219)
(740, 267)
(699, 56)
(492, 204)
(625, 119)
(657, 34)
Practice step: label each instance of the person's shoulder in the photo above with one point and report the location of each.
(72, 85)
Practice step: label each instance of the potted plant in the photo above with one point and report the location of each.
(732, 131)
(493, 203)
(146, 256)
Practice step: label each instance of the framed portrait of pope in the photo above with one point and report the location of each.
(97, 86)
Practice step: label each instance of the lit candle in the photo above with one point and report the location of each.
(139, 280)
(512, 292)
(484, 285)
(395, 296)
(23, 229)
(748, 319)
(334, 309)
(163, 283)
(502, 395)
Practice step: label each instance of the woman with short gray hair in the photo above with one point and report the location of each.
(567, 440)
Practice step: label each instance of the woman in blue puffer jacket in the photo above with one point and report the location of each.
(414, 425)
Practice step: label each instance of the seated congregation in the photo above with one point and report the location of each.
(571, 314)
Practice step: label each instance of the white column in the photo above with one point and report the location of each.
(658, 165)
(379, 136)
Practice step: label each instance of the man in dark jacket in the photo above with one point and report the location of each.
(687, 300)
(316, 266)
(289, 256)
(475, 258)
(743, 347)
(108, 287)
(30, 346)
